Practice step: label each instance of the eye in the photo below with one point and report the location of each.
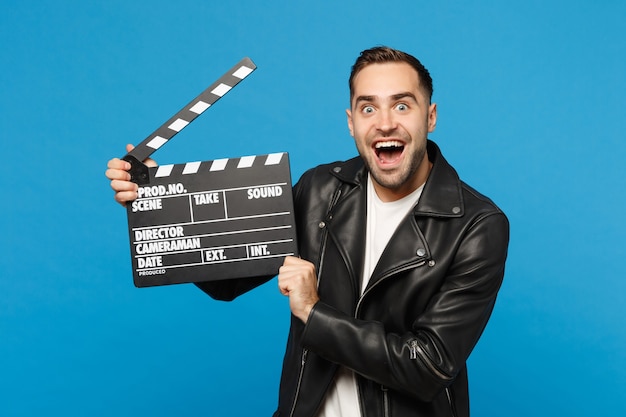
(402, 107)
(367, 109)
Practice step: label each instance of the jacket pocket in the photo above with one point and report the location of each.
(416, 351)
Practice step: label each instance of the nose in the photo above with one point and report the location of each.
(385, 121)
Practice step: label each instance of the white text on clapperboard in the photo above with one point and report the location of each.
(152, 244)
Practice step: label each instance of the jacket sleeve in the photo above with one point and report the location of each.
(428, 357)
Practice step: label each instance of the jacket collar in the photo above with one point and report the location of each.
(442, 195)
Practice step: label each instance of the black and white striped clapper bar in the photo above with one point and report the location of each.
(212, 220)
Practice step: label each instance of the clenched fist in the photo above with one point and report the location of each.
(297, 280)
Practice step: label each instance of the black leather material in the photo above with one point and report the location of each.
(427, 303)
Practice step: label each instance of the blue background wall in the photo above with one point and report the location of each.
(531, 99)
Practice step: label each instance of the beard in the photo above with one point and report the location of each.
(400, 176)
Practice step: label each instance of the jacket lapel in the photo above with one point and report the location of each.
(346, 227)
(346, 220)
(442, 197)
(406, 249)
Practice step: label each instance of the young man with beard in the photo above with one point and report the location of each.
(400, 261)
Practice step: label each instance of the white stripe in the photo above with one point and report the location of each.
(199, 107)
(246, 162)
(178, 125)
(221, 89)
(164, 171)
(191, 168)
(156, 142)
(242, 72)
(219, 164)
(274, 158)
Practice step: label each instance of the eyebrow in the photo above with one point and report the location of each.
(363, 98)
(404, 95)
(394, 97)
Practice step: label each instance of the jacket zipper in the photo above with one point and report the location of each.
(333, 201)
(356, 315)
(414, 348)
(295, 399)
(449, 397)
(368, 290)
(385, 391)
(324, 237)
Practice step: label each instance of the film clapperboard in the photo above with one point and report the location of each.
(203, 221)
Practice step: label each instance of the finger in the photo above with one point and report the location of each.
(298, 266)
(117, 163)
(122, 185)
(289, 273)
(150, 162)
(117, 174)
(291, 260)
(125, 196)
(283, 286)
(287, 279)
(283, 291)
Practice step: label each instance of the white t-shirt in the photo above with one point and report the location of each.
(342, 399)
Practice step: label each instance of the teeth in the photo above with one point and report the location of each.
(388, 144)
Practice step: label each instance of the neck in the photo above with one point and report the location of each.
(387, 195)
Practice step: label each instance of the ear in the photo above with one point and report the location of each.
(350, 125)
(432, 117)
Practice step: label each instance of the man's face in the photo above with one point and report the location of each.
(390, 117)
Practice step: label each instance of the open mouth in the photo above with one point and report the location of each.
(388, 151)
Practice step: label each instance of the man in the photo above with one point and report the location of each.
(401, 261)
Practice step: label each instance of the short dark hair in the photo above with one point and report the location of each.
(384, 54)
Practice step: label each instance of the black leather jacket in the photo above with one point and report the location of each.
(429, 298)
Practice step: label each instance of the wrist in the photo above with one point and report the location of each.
(306, 312)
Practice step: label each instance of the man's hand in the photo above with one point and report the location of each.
(117, 172)
(297, 280)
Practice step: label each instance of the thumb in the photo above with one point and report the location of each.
(149, 161)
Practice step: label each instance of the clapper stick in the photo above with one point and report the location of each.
(139, 171)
